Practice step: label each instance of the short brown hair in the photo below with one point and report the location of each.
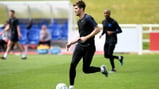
(12, 11)
(80, 4)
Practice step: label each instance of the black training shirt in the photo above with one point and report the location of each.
(13, 23)
(111, 25)
(86, 25)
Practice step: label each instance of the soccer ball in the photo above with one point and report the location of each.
(61, 86)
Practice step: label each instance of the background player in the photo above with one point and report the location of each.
(13, 25)
(111, 29)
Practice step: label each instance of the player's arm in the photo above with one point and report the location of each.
(68, 45)
(118, 29)
(93, 33)
(18, 30)
(103, 32)
(5, 29)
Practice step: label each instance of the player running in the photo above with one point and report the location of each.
(85, 47)
(111, 29)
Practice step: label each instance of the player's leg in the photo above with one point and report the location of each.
(25, 46)
(109, 54)
(119, 58)
(21, 49)
(87, 59)
(106, 48)
(9, 45)
(77, 55)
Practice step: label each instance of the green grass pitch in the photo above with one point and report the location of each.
(45, 71)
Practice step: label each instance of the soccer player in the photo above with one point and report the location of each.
(111, 29)
(85, 47)
(13, 26)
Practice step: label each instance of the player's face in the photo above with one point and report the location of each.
(44, 27)
(11, 14)
(106, 13)
(77, 10)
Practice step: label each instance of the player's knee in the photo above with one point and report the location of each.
(85, 70)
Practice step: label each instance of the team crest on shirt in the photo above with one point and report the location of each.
(109, 25)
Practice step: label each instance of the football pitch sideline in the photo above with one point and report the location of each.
(46, 71)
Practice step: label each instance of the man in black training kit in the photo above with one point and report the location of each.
(13, 26)
(111, 29)
(85, 47)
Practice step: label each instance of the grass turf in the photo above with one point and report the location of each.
(45, 71)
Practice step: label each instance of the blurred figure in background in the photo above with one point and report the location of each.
(45, 36)
(13, 26)
(28, 27)
(30, 24)
(4, 40)
(111, 28)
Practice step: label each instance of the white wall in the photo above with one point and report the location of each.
(130, 40)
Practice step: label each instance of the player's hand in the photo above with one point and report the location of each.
(42, 40)
(109, 32)
(68, 45)
(20, 36)
(100, 36)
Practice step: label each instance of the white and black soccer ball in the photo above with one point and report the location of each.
(61, 86)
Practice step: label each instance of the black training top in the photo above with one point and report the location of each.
(86, 25)
(111, 25)
(13, 23)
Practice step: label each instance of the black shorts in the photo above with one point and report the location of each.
(14, 38)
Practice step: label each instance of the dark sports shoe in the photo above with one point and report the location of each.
(24, 58)
(105, 72)
(3, 58)
(121, 60)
